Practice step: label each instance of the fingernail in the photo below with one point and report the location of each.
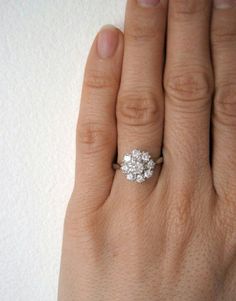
(107, 41)
(148, 3)
(224, 3)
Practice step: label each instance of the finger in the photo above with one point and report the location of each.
(188, 85)
(140, 100)
(96, 130)
(224, 110)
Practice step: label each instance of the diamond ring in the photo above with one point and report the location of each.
(138, 166)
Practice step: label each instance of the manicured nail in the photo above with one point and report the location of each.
(107, 42)
(224, 3)
(148, 3)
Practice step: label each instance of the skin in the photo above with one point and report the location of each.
(172, 237)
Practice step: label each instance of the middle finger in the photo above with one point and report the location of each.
(188, 85)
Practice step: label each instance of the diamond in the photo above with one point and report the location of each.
(151, 164)
(148, 173)
(136, 153)
(145, 156)
(137, 166)
(131, 177)
(140, 179)
(127, 157)
(124, 168)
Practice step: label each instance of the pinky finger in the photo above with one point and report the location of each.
(96, 129)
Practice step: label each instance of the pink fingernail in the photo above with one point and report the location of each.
(224, 3)
(148, 3)
(107, 41)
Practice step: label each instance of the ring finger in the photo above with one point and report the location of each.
(140, 107)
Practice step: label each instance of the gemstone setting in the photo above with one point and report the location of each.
(137, 166)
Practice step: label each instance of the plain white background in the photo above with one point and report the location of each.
(43, 50)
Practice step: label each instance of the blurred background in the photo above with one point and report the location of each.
(43, 49)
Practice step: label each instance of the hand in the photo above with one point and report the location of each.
(172, 237)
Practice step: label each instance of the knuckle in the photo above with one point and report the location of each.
(225, 105)
(98, 80)
(189, 7)
(142, 29)
(138, 109)
(194, 87)
(223, 34)
(93, 137)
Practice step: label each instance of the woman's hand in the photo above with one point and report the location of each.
(172, 237)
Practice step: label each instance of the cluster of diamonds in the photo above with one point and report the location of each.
(137, 166)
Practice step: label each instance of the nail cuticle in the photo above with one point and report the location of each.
(148, 3)
(224, 4)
